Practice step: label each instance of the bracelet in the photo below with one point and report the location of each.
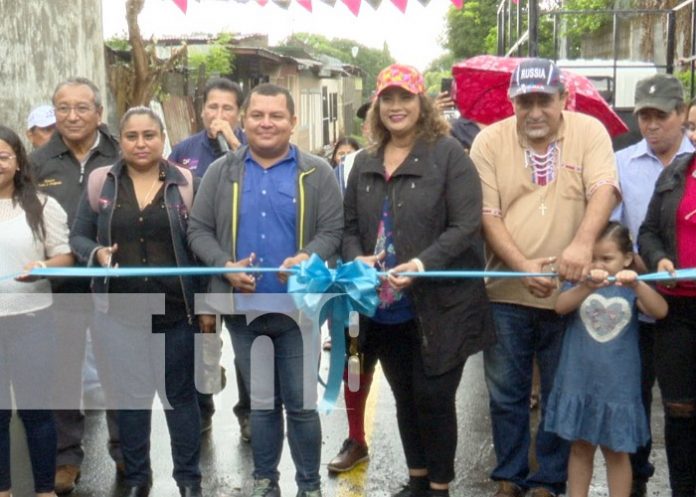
(41, 264)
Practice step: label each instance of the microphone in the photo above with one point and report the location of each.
(224, 146)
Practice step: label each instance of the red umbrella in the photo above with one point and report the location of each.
(481, 86)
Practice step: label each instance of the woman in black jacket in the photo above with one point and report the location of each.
(413, 203)
(667, 242)
(137, 215)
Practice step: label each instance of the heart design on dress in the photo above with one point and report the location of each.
(604, 318)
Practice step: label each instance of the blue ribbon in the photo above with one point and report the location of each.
(354, 286)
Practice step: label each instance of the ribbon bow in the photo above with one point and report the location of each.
(351, 287)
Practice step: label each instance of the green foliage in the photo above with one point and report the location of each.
(685, 78)
(119, 44)
(469, 28)
(370, 60)
(218, 59)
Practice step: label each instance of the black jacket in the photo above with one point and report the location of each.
(435, 199)
(657, 239)
(92, 230)
(58, 173)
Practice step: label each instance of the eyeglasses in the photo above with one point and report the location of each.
(80, 109)
(6, 158)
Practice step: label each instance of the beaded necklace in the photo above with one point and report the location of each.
(543, 168)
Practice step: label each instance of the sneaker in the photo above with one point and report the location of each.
(309, 493)
(509, 489)
(245, 428)
(541, 492)
(67, 476)
(265, 488)
(418, 486)
(351, 454)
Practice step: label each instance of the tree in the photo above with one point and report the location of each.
(218, 60)
(136, 82)
(370, 60)
(468, 28)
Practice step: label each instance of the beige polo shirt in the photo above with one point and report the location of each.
(542, 220)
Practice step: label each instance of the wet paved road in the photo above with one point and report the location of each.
(226, 460)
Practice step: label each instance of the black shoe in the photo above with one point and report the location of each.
(639, 487)
(139, 491)
(418, 486)
(190, 491)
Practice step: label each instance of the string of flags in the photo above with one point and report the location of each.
(353, 5)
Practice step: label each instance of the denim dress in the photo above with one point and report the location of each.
(596, 394)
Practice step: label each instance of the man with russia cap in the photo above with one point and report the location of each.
(660, 110)
(549, 184)
(41, 124)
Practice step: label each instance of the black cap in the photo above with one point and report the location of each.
(362, 111)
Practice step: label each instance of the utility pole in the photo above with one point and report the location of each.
(533, 27)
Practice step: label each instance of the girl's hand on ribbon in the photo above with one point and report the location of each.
(25, 277)
(242, 281)
(627, 278)
(540, 287)
(597, 278)
(401, 282)
(667, 266)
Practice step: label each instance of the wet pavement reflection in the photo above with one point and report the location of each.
(226, 459)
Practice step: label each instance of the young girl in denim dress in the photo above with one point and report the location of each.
(596, 396)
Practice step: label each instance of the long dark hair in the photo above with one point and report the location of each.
(619, 234)
(344, 140)
(25, 193)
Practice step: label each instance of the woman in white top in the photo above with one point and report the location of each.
(34, 234)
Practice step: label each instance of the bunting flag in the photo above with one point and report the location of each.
(353, 5)
(307, 4)
(400, 4)
(182, 4)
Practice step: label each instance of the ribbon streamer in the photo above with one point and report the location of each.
(352, 287)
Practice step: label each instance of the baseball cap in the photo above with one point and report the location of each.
(400, 76)
(661, 91)
(41, 117)
(362, 111)
(535, 76)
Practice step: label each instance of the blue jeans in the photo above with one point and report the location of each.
(26, 345)
(136, 365)
(524, 333)
(304, 427)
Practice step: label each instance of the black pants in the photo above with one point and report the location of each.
(675, 364)
(640, 460)
(425, 405)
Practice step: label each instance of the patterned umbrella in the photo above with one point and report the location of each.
(481, 85)
(353, 5)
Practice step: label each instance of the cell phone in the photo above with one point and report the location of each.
(446, 85)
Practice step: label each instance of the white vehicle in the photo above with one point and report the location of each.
(617, 83)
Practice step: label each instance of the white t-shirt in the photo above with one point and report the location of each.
(18, 247)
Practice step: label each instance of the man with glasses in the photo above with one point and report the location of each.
(222, 99)
(80, 144)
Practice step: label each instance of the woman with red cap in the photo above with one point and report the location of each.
(413, 203)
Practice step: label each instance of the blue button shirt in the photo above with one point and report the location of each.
(198, 151)
(639, 168)
(268, 217)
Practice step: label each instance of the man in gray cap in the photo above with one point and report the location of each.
(661, 111)
(41, 124)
